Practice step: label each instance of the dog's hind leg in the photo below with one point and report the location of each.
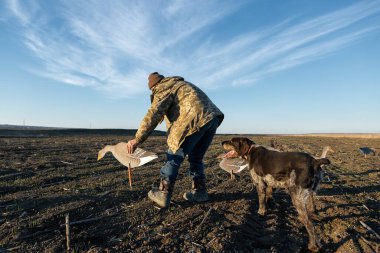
(299, 198)
(268, 194)
(261, 190)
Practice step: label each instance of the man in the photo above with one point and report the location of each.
(191, 121)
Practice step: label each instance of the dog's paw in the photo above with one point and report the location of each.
(313, 247)
(262, 211)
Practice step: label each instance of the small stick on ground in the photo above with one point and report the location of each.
(11, 249)
(24, 213)
(365, 207)
(67, 219)
(209, 243)
(163, 235)
(197, 244)
(12, 175)
(368, 244)
(204, 218)
(68, 163)
(105, 193)
(157, 207)
(130, 176)
(370, 229)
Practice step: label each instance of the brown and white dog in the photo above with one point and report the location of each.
(298, 172)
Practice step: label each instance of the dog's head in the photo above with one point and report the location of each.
(238, 146)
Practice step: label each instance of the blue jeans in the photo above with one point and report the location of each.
(195, 147)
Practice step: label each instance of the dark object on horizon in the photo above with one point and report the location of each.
(366, 151)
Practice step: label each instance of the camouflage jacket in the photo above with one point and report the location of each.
(185, 108)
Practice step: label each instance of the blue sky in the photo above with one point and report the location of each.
(271, 66)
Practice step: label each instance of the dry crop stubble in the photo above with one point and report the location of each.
(42, 179)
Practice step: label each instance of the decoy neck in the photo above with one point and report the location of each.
(325, 150)
(103, 151)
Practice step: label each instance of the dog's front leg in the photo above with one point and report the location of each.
(261, 190)
(310, 203)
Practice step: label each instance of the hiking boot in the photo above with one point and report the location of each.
(198, 191)
(163, 194)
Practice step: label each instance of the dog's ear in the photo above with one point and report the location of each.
(235, 142)
(244, 146)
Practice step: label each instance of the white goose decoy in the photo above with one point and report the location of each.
(237, 165)
(325, 150)
(119, 151)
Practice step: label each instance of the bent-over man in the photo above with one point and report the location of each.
(191, 121)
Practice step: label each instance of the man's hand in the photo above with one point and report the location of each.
(131, 146)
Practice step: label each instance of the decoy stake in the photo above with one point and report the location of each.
(130, 175)
(67, 223)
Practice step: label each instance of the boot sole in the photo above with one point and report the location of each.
(194, 200)
(153, 198)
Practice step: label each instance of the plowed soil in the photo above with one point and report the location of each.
(43, 179)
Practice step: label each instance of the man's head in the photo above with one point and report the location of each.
(154, 79)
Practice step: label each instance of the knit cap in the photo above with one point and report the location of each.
(153, 79)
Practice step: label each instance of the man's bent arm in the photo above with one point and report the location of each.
(153, 117)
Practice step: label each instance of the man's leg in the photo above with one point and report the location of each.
(169, 173)
(197, 153)
(199, 192)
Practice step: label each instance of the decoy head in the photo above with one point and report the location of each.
(329, 149)
(102, 152)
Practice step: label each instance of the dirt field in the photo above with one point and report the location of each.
(43, 179)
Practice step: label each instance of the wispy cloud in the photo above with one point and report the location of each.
(112, 46)
(312, 39)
